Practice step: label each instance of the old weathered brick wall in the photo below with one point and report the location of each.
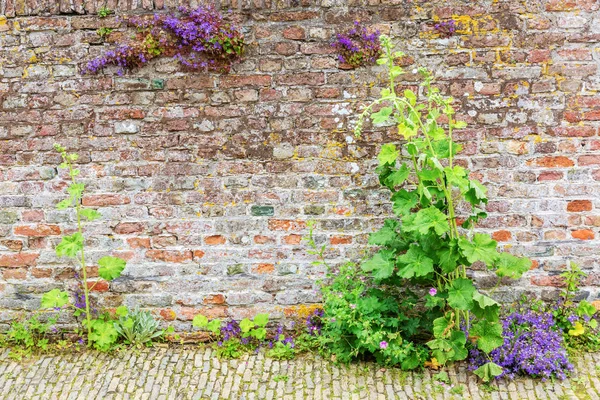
(205, 182)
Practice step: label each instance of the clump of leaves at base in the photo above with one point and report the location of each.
(27, 336)
(100, 331)
(361, 320)
(424, 245)
(137, 328)
(577, 320)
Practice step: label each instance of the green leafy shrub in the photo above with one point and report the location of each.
(101, 332)
(138, 328)
(577, 320)
(26, 336)
(424, 245)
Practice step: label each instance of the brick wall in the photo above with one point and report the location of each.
(205, 182)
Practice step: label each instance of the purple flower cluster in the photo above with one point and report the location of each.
(199, 39)
(314, 322)
(532, 346)
(287, 340)
(446, 28)
(231, 330)
(357, 46)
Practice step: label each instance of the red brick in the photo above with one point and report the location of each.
(41, 272)
(555, 235)
(341, 239)
(554, 280)
(573, 131)
(167, 314)
(550, 176)
(16, 273)
(292, 239)
(589, 160)
(215, 240)
(37, 230)
(305, 78)
(105, 200)
(174, 256)
(18, 260)
(230, 81)
(214, 299)
(98, 286)
(286, 225)
(32, 216)
(127, 228)
(261, 239)
(294, 33)
(14, 245)
(263, 268)
(553, 162)
(579, 206)
(575, 54)
(538, 56)
(139, 243)
(188, 313)
(583, 234)
(502, 236)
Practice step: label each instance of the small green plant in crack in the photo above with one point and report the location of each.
(281, 378)
(104, 12)
(100, 331)
(104, 31)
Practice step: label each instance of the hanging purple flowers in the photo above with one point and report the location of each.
(198, 39)
(358, 46)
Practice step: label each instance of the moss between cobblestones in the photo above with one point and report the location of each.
(189, 372)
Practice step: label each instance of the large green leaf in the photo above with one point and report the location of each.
(110, 268)
(55, 298)
(458, 341)
(397, 177)
(70, 245)
(382, 115)
(489, 335)
(414, 263)
(442, 326)
(381, 265)
(90, 214)
(76, 190)
(429, 218)
(485, 307)
(476, 193)
(449, 256)
(488, 371)
(441, 349)
(386, 235)
(403, 202)
(261, 320)
(460, 294)
(511, 266)
(388, 154)
(457, 177)
(199, 321)
(482, 248)
(103, 335)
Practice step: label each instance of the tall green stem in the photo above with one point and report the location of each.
(86, 291)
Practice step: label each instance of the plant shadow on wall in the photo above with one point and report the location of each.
(199, 39)
(375, 310)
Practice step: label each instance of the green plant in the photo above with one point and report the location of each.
(100, 331)
(279, 378)
(423, 246)
(255, 328)
(28, 335)
(104, 31)
(138, 328)
(104, 12)
(577, 320)
(362, 321)
(282, 349)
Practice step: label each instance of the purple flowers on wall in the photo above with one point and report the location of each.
(445, 28)
(199, 39)
(358, 46)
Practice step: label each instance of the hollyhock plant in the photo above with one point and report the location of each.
(357, 46)
(198, 39)
(532, 346)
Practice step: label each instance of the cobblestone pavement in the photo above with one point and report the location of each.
(193, 373)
